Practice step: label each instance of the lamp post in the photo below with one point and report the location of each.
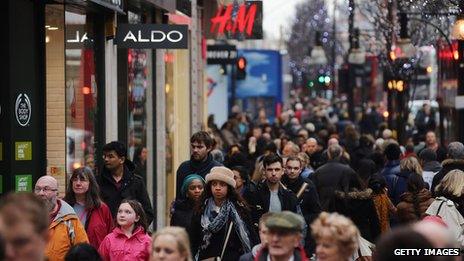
(458, 33)
(317, 57)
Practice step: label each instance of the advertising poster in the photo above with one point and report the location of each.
(216, 90)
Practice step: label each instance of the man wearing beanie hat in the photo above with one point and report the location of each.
(283, 238)
(270, 195)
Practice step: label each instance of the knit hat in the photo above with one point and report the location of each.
(188, 180)
(285, 221)
(222, 174)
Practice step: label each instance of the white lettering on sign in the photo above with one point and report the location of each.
(23, 109)
(155, 36)
(78, 39)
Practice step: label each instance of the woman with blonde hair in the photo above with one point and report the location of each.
(336, 237)
(171, 243)
(408, 166)
(448, 203)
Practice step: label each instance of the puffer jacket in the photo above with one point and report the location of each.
(412, 207)
(118, 247)
(61, 240)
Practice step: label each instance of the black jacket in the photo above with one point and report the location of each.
(233, 249)
(259, 201)
(309, 204)
(359, 207)
(194, 167)
(330, 177)
(182, 213)
(448, 165)
(132, 187)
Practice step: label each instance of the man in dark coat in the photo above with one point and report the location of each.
(430, 165)
(332, 176)
(455, 161)
(314, 149)
(118, 181)
(270, 195)
(201, 161)
(306, 193)
(392, 167)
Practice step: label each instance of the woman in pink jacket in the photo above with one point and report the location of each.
(129, 240)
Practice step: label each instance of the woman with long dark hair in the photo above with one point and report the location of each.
(415, 201)
(83, 194)
(221, 224)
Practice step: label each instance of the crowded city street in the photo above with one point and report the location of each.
(233, 130)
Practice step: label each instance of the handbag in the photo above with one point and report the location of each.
(219, 258)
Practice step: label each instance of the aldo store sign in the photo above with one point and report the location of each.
(152, 36)
(23, 109)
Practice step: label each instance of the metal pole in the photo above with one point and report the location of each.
(351, 81)
(460, 112)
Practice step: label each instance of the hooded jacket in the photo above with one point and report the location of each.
(132, 187)
(194, 167)
(359, 207)
(61, 236)
(118, 247)
(448, 165)
(412, 207)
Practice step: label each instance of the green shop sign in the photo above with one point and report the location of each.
(23, 183)
(23, 150)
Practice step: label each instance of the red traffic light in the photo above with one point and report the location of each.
(241, 63)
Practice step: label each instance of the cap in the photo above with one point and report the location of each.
(285, 220)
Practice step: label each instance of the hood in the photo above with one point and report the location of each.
(355, 194)
(433, 166)
(451, 162)
(138, 233)
(423, 195)
(66, 212)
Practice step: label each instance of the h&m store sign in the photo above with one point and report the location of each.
(152, 36)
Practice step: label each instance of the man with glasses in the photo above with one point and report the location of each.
(201, 161)
(306, 194)
(270, 195)
(65, 229)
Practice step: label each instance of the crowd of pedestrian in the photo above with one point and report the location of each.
(311, 185)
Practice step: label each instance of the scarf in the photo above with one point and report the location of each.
(212, 225)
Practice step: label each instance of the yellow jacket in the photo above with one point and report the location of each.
(65, 231)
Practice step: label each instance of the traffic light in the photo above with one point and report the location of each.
(321, 79)
(310, 84)
(397, 85)
(241, 68)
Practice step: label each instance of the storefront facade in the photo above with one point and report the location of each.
(69, 89)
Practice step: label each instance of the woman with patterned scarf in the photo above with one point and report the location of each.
(221, 210)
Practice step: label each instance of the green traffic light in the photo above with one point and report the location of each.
(310, 84)
(321, 79)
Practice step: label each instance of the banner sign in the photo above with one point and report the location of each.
(238, 21)
(221, 54)
(152, 36)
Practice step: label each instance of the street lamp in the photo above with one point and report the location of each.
(458, 29)
(317, 53)
(404, 48)
(356, 55)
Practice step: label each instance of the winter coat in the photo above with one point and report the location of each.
(359, 207)
(330, 177)
(317, 159)
(430, 169)
(132, 187)
(391, 168)
(450, 216)
(448, 165)
(251, 256)
(194, 167)
(384, 208)
(118, 247)
(298, 255)
(60, 239)
(182, 213)
(259, 201)
(412, 207)
(399, 186)
(309, 204)
(99, 224)
(233, 249)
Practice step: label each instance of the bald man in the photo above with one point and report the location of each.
(64, 226)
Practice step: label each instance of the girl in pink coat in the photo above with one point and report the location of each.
(129, 240)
